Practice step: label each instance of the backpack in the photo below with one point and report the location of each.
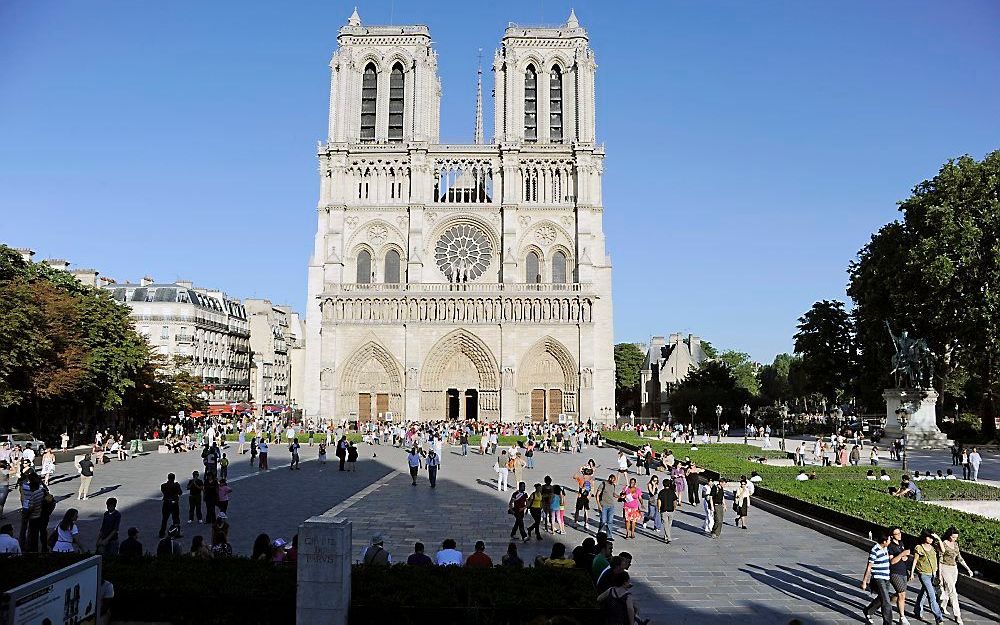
(616, 608)
(48, 503)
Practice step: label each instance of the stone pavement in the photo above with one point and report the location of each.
(768, 574)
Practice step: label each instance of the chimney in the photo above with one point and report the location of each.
(185, 284)
(106, 280)
(146, 281)
(25, 252)
(86, 276)
(59, 264)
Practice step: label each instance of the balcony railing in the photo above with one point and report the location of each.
(183, 338)
(467, 287)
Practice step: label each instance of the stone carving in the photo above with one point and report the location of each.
(401, 221)
(567, 220)
(412, 377)
(326, 379)
(463, 253)
(546, 235)
(445, 309)
(431, 217)
(508, 377)
(524, 220)
(587, 378)
(377, 233)
(351, 221)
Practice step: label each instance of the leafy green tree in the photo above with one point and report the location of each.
(743, 369)
(628, 363)
(775, 387)
(825, 341)
(710, 385)
(937, 273)
(710, 351)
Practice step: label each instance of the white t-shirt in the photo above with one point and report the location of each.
(801, 477)
(28, 454)
(9, 544)
(64, 542)
(449, 557)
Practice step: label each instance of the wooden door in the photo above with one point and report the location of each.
(364, 407)
(381, 404)
(555, 404)
(538, 405)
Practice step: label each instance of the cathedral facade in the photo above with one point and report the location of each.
(460, 281)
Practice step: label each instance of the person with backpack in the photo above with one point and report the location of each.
(617, 603)
(517, 506)
(375, 554)
(607, 499)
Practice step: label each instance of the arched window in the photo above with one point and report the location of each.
(531, 273)
(396, 103)
(364, 267)
(559, 268)
(530, 104)
(555, 106)
(369, 96)
(392, 267)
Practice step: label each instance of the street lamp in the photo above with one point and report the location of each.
(692, 410)
(718, 423)
(784, 417)
(903, 416)
(746, 417)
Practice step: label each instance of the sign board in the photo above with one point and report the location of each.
(67, 596)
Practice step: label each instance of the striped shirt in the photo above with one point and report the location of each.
(878, 557)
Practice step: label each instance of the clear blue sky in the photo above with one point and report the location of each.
(752, 146)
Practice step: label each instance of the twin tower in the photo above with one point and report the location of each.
(460, 281)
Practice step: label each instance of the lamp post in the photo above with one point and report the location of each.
(746, 421)
(692, 410)
(718, 423)
(784, 417)
(903, 416)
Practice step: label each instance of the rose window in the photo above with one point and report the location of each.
(463, 253)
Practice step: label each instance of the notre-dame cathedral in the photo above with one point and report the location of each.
(462, 281)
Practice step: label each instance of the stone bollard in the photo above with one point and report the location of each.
(323, 593)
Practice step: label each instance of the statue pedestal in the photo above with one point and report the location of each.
(922, 431)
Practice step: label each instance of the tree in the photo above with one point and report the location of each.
(937, 273)
(710, 385)
(825, 342)
(710, 351)
(628, 363)
(775, 387)
(743, 369)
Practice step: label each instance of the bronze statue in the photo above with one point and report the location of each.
(913, 362)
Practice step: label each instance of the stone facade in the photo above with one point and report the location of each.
(460, 280)
(667, 363)
(271, 370)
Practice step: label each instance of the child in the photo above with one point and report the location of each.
(352, 457)
(224, 472)
(322, 453)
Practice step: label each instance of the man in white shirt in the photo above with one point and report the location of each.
(802, 477)
(448, 556)
(9, 544)
(974, 461)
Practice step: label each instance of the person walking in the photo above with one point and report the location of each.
(262, 449)
(707, 505)
(48, 465)
(951, 557)
(463, 440)
(342, 451)
(666, 504)
(718, 497)
(195, 488)
(630, 497)
(974, 461)
(224, 467)
(899, 570)
(170, 506)
(225, 495)
(503, 470)
(293, 449)
(107, 536)
(86, 476)
(741, 504)
(414, 461)
(873, 456)
(652, 508)
(606, 500)
(433, 464)
(517, 506)
(925, 566)
(535, 510)
(966, 467)
(877, 572)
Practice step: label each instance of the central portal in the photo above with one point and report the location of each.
(462, 404)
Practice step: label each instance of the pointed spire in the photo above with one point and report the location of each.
(571, 21)
(354, 19)
(479, 101)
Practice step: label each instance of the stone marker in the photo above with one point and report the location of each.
(324, 572)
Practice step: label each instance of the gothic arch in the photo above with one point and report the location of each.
(371, 369)
(547, 349)
(460, 360)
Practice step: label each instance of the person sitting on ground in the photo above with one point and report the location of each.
(479, 559)
(8, 544)
(583, 554)
(449, 555)
(950, 475)
(870, 475)
(801, 477)
(261, 548)
(908, 488)
(199, 550)
(884, 477)
(940, 475)
(418, 557)
(813, 476)
(558, 559)
(617, 602)
(131, 547)
(755, 477)
(618, 564)
(169, 545)
(511, 558)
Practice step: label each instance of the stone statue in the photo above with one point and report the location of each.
(913, 362)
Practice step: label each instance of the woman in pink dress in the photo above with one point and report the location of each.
(631, 497)
(680, 481)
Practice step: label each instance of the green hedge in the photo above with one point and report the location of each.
(845, 490)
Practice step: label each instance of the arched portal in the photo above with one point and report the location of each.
(372, 384)
(547, 382)
(460, 367)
